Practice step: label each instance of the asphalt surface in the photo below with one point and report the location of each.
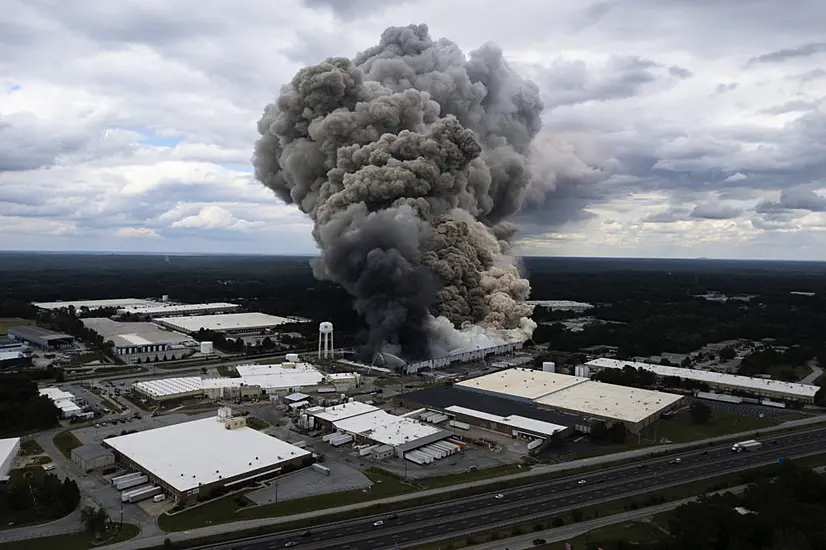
(461, 516)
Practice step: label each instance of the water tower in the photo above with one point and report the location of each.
(325, 340)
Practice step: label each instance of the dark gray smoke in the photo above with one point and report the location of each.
(409, 159)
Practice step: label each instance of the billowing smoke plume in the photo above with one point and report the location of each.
(410, 159)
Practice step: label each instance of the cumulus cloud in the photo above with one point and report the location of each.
(141, 232)
(214, 217)
(715, 211)
(112, 118)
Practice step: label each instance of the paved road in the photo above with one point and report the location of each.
(318, 515)
(466, 515)
(536, 501)
(815, 374)
(568, 532)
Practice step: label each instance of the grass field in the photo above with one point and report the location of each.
(8, 322)
(30, 447)
(75, 541)
(65, 441)
(682, 429)
(256, 423)
(633, 533)
(229, 509)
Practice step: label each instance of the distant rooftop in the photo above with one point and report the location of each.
(95, 304)
(227, 322)
(34, 332)
(161, 308)
(125, 334)
(280, 376)
(792, 389)
(524, 383)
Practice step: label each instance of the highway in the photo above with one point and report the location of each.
(456, 517)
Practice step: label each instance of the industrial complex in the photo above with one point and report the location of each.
(230, 324)
(142, 342)
(377, 429)
(573, 401)
(41, 338)
(759, 387)
(92, 305)
(203, 456)
(165, 309)
(253, 381)
(63, 400)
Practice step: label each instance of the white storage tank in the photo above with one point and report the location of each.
(207, 348)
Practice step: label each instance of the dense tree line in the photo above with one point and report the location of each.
(22, 409)
(33, 495)
(780, 512)
(645, 328)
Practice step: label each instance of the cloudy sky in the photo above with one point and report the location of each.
(129, 125)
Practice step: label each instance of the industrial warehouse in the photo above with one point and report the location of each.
(142, 342)
(576, 400)
(63, 400)
(377, 429)
(41, 338)
(254, 380)
(92, 305)
(229, 324)
(169, 389)
(165, 309)
(759, 387)
(203, 457)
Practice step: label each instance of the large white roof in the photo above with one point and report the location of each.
(156, 308)
(792, 389)
(56, 394)
(281, 376)
(203, 451)
(521, 382)
(610, 401)
(126, 334)
(386, 428)
(218, 323)
(166, 387)
(96, 304)
(223, 382)
(7, 447)
(514, 421)
(340, 412)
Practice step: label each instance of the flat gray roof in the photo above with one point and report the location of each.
(90, 452)
(35, 332)
(133, 334)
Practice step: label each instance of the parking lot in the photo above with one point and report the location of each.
(308, 482)
(99, 431)
(747, 409)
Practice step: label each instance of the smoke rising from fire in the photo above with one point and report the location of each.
(410, 159)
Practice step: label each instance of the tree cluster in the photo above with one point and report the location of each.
(33, 495)
(22, 409)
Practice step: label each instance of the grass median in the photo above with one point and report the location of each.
(73, 541)
(632, 530)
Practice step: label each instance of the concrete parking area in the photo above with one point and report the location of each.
(96, 433)
(747, 409)
(308, 482)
